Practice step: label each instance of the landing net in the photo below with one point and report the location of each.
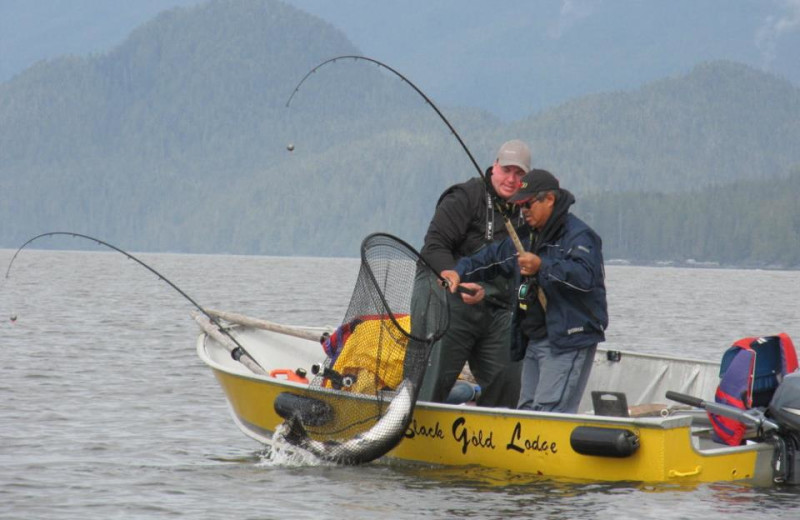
(380, 352)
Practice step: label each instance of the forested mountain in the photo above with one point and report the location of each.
(721, 122)
(176, 141)
(753, 223)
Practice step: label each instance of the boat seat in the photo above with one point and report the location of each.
(610, 404)
(615, 404)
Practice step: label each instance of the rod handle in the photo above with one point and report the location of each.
(685, 399)
(514, 237)
(465, 290)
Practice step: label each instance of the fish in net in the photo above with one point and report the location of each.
(365, 391)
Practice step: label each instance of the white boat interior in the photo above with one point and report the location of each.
(641, 380)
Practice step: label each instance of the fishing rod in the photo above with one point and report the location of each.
(506, 221)
(238, 353)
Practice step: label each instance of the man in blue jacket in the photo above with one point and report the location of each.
(561, 312)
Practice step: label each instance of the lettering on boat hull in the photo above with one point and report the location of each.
(468, 437)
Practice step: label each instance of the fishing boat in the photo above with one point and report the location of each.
(626, 429)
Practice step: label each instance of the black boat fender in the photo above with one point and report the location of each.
(310, 411)
(604, 442)
(366, 446)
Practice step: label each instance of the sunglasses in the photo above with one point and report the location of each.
(528, 203)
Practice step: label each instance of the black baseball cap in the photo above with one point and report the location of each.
(534, 182)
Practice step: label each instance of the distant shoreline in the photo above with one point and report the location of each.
(612, 262)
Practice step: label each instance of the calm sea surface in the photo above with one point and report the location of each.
(107, 412)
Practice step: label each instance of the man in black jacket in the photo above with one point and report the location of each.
(467, 218)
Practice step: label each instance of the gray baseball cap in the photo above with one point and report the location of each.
(515, 153)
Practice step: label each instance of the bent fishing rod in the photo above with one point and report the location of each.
(506, 221)
(238, 353)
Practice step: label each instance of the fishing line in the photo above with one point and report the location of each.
(507, 221)
(236, 354)
(407, 81)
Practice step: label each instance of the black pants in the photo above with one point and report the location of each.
(478, 334)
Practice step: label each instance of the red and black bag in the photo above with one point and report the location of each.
(750, 372)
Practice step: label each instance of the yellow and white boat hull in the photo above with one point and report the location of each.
(672, 447)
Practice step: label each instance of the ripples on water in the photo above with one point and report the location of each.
(107, 412)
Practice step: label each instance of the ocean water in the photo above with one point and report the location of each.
(107, 412)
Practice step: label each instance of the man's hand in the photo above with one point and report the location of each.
(452, 279)
(454, 284)
(529, 264)
(472, 299)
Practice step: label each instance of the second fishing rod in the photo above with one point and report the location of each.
(492, 200)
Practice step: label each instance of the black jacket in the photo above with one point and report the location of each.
(459, 225)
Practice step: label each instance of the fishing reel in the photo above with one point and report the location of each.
(338, 381)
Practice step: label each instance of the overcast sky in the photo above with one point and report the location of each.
(510, 57)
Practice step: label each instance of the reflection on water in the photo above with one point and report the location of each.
(106, 410)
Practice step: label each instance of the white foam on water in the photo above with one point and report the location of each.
(280, 453)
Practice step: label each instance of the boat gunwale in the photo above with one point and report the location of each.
(669, 422)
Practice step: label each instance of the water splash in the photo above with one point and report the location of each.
(279, 453)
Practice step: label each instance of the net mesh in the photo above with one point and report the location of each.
(396, 312)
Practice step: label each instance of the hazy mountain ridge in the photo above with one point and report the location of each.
(175, 140)
(720, 122)
(557, 50)
(751, 223)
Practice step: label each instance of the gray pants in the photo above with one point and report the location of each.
(553, 380)
(478, 334)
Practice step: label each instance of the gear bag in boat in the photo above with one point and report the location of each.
(750, 372)
(351, 351)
